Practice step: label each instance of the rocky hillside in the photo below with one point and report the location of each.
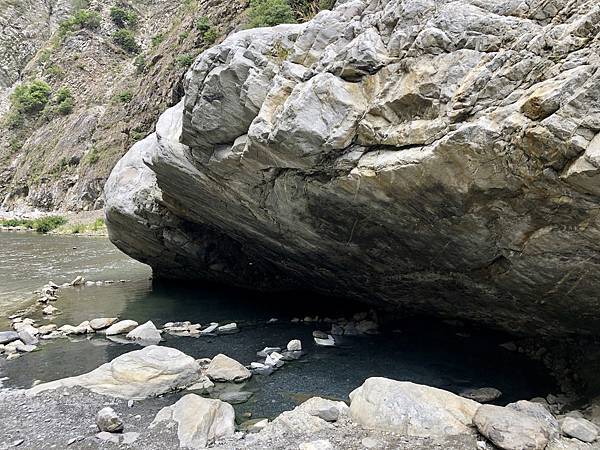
(102, 71)
(436, 155)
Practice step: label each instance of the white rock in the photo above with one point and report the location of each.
(294, 345)
(228, 329)
(210, 329)
(147, 333)
(108, 437)
(320, 444)
(224, 368)
(27, 337)
(411, 409)
(102, 322)
(328, 342)
(78, 281)
(49, 310)
(139, 374)
(325, 409)
(204, 386)
(121, 327)
(200, 421)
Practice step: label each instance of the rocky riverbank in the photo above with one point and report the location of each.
(380, 414)
(82, 223)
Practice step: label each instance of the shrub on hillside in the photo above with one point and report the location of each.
(81, 19)
(31, 97)
(268, 13)
(123, 17)
(126, 40)
(64, 101)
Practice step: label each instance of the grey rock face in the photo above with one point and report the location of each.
(7, 337)
(441, 156)
(579, 428)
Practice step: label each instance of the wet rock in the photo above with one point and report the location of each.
(78, 281)
(328, 410)
(108, 420)
(482, 395)
(8, 336)
(274, 360)
(412, 409)
(291, 356)
(267, 351)
(146, 333)
(578, 428)
(230, 328)
(294, 345)
(224, 368)
(328, 341)
(236, 397)
(121, 327)
(102, 323)
(49, 310)
(27, 337)
(200, 421)
(210, 329)
(510, 429)
(139, 374)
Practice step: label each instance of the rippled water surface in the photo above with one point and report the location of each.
(419, 350)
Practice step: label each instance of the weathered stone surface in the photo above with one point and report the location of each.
(540, 413)
(510, 429)
(135, 375)
(224, 368)
(102, 322)
(328, 410)
(121, 327)
(8, 336)
(108, 420)
(146, 333)
(452, 151)
(200, 421)
(482, 395)
(579, 428)
(410, 409)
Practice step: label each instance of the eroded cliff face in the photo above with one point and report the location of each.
(441, 156)
(61, 161)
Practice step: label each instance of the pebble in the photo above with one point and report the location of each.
(108, 420)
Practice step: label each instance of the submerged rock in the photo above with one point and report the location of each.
(410, 409)
(224, 368)
(236, 397)
(200, 421)
(450, 149)
(135, 375)
(482, 395)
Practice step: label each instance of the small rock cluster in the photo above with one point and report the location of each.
(188, 328)
(274, 357)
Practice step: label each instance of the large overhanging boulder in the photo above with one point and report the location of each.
(437, 155)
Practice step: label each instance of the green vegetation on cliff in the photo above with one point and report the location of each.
(268, 13)
(41, 225)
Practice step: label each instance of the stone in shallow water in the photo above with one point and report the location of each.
(230, 328)
(7, 337)
(510, 429)
(267, 351)
(482, 395)
(139, 374)
(200, 421)
(108, 420)
(294, 345)
(410, 409)
(224, 368)
(146, 333)
(236, 398)
(121, 327)
(102, 322)
(579, 428)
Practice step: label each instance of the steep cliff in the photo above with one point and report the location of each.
(119, 71)
(436, 155)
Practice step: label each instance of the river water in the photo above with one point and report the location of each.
(419, 350)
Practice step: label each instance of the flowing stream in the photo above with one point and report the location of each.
(419, 350)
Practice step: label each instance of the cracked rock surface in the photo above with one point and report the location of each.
(438, 155)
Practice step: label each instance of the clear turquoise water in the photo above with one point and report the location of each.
(424, 351)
